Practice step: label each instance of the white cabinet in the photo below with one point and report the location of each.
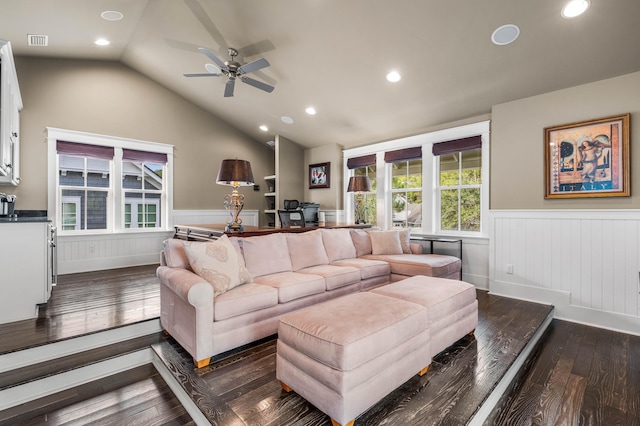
(10, 107)
(24, 262)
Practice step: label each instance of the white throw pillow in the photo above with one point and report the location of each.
(217, 262)
(385, 242)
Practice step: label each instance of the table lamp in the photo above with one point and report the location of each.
(234, 173)
(359, 185)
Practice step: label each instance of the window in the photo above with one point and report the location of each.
(406, 194)
(365, 166)
(435, 183)
(458, 189)
(143, 187)
(105, 184)
(368, 199)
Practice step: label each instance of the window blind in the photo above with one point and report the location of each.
(85, 150)
(405, 154)
(457, 145)
(144, 156)
(364, 161)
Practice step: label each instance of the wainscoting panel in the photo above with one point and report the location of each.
(587, 263)
(84, 253)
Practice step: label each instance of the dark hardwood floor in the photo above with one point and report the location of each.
(86, 303)
(242, 389)
(580, 376)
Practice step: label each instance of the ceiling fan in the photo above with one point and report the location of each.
(233, 70)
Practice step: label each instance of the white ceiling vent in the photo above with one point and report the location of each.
(37, 40)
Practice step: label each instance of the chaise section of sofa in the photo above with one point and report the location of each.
(213, 311)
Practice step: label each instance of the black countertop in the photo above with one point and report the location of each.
(26, 216)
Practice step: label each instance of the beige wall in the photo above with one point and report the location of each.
(517, 142)
(111, 99)
(329, 198)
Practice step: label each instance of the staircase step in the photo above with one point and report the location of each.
(41, 370)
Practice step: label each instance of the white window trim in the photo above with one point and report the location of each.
(116, 220)
(426, 141)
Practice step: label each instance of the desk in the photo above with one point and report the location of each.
(448, 246)
(209, 232)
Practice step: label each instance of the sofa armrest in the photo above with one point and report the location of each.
(186, 310)
(187, 286)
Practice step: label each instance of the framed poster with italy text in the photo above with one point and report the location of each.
(588, 159)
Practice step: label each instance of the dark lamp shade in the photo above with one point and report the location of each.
(235, 172)
(359, 184)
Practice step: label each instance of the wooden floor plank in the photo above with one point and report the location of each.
(588, 393)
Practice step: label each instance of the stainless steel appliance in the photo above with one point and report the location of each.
(52, 258)
(7, 204)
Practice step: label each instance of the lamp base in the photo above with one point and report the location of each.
(233, 227)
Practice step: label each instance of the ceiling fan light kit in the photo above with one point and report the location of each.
(233, 70)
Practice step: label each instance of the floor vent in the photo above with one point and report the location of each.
(38, 40)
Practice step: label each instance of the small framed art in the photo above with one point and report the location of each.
(588, 159)
(319, 175)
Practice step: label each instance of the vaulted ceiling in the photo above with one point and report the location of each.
(334, 55)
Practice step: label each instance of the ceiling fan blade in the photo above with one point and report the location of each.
(255, 83)
(203, 74)
(253, 66)
(214, 58)
(228, 88)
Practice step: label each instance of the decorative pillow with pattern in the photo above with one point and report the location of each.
(217, 262)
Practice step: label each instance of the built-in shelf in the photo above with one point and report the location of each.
(271, 200)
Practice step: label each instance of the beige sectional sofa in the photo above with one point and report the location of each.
(220, 295)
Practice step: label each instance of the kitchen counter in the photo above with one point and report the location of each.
(26, 216)
(24, 219)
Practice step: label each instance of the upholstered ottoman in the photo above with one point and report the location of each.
(346, 354)
(452, 308)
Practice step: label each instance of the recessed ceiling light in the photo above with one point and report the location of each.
(394, 77)
(286, 120)
(102, 42)
(111, 15)
(575, 8)
(505, 34)
(310, 110)
(271, 143)
(264, 128)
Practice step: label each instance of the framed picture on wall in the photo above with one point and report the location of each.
(319, 175)
(588, 159)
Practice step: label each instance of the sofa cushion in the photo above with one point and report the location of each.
(385, 242)
(334, 276)
(405, 240)
(174, 254)
(361, 241)
(346, 332)
(432, 265)
(244, 299)
(217, 262)
(442, 297)
(266, 254)
(306, 249)
(338, 244)
(368, 268)
(293, 285)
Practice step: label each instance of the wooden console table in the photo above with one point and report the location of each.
(209, 232)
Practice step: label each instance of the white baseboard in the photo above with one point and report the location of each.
(564, 310)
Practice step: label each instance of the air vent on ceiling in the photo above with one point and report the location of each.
(38, 40)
